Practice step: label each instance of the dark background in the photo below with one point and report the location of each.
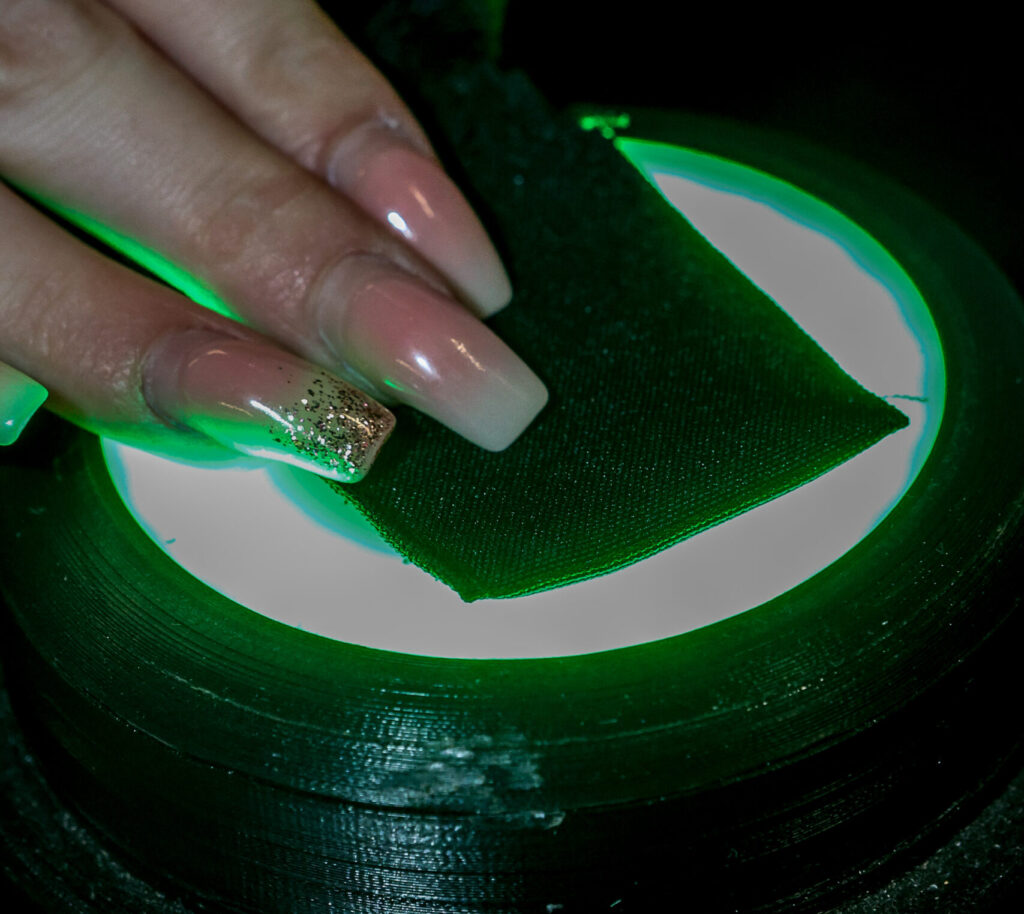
(932, 102)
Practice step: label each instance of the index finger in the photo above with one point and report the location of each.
(286, 71)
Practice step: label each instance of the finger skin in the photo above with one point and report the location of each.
(81, 325)
(96, 119)
(135, 361)
(284, 69)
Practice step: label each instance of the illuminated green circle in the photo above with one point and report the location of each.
(833, 711)
(205, 518)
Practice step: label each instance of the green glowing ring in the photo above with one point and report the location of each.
(439, 783)
(873, 322)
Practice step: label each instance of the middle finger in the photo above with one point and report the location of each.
(92, 116)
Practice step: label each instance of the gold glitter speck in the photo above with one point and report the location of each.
(338, 430)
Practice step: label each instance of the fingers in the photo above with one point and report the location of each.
(20, 397)
(93, 117)
(134, 360)
(286, 71)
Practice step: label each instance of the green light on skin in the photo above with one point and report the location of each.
(145, 257)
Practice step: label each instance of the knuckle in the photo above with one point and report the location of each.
(47, 43)
(30, 310)
(239, 216)
(266, 239)
(289, 54)
(296, 65)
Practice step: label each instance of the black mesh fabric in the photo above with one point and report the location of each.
(680, 394)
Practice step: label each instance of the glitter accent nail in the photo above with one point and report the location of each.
(261, 401)
(333, 426)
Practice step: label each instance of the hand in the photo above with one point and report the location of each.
(249, 143)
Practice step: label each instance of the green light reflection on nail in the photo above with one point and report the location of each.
(20, 398)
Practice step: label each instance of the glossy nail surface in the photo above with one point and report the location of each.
(266, 403)
(427, 351)
(412, 194)
(20, 397)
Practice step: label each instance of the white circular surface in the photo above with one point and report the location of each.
(243, 531)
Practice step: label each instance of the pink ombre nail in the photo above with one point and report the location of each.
(412, 195)
(256, 399)
(429, 352)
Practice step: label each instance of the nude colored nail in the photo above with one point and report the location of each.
(20, 397)
(411, 194)
(266, 403)
(427, 351)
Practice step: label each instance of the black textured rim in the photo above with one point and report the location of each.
(774, 753)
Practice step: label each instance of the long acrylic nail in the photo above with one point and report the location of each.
(429, 352)
(20, 397)
(266, 403)
(412, 194)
